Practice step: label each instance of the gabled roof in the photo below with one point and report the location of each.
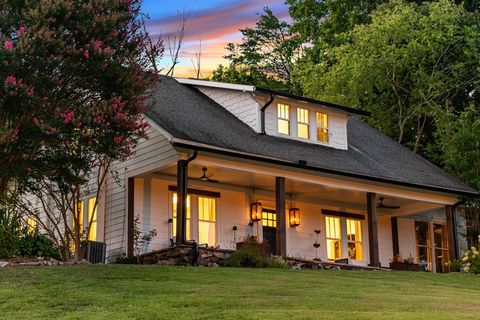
(250, 88)
(194, 120)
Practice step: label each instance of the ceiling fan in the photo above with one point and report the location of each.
(382, 205)
(206, 178)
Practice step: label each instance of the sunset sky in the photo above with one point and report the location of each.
(215, 22)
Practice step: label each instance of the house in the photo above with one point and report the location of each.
(279, 167)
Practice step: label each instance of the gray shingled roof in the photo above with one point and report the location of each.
(188, 114)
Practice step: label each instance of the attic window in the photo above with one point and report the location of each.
(283, 118)
(303, 127)
(322, 127)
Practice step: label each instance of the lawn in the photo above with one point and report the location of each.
(153, 292)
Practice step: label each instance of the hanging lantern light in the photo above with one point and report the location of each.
(256, 211)
(294, 215)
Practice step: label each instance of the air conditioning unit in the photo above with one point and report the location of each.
(93, 251)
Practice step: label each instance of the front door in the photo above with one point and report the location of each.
(269, 223)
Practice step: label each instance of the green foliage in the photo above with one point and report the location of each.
(410, 59)
(470, 262)
(277, 263)
(9, 234)
(141, 240)
(126, 259)
(33, 244)
(248, 256)
(267, 55)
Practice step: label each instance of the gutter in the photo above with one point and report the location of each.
(304, 165)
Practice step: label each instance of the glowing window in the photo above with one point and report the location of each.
(354, 238)
(283, 112)
(92, 219)
(334, 238)
(269, 219)
(322, 127)
(206, 221)
(31, 225)
(174, 231)
(303, 128)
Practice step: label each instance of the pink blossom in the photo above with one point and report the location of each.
(21, 30)
(31, 92)
(11, 80)
(67, 116)
(36, 122)
(8, 45)
(118, 139)
(97, 44)
(86, 54)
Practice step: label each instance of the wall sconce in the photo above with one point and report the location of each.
(256, 211)
(294, 215)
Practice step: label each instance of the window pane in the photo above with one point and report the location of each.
(422, 232)
(31, 224)
(283, 126)
(354, 230)
(333, 227)
(322, 120)
(355, 250)
(440, 236)
(92, 219)
(303, 130)
(174, 216)
(206, 220)
(322, 135)
(302, 115)
(283, 111)
(334, 249)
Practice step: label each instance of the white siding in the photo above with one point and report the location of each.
(241, 104)
(150, 155)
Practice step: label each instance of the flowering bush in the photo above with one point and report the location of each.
(470, 262)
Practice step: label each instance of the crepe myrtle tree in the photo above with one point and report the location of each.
(74, 84)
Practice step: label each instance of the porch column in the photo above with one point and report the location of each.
(281, 219)
(130, 214)
(451, 230)
(372, 229)
(182, 173)
(396, 246)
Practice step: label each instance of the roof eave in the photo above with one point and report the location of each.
(182, 143)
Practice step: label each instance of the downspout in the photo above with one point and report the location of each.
(182, 187)
(262, 114)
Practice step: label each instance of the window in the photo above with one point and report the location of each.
(303, 128)
(92, 219)
(31, 225)
(206, 220)
(334, 238)
(174, 231)
(322, 127)
(269, 218)
(354, 237)
(424, 246)
(283, 118)
(440, 240)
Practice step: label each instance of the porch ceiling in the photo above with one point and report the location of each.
(301, 191)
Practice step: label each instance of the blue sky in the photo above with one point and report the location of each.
(214, 22)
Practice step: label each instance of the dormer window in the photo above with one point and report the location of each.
(283, 118)
(303, 128)
(322, 127)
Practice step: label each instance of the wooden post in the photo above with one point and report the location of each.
(281, 219)
(130, 214)
(395, 244)
(372, 229)
(451, 230)
(180, 237)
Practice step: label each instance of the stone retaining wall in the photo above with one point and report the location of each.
(184, 256)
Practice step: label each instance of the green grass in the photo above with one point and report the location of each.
(152, 292)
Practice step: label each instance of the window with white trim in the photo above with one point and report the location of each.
(344, 238)
(322, 127)
(303, 126)
(283, 112)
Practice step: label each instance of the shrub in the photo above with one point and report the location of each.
(470, 262)
(249, 256)
(277, 263)
(9, 234)
(33, 244)
(126, 259)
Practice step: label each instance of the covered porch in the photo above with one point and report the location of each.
(217, 201)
